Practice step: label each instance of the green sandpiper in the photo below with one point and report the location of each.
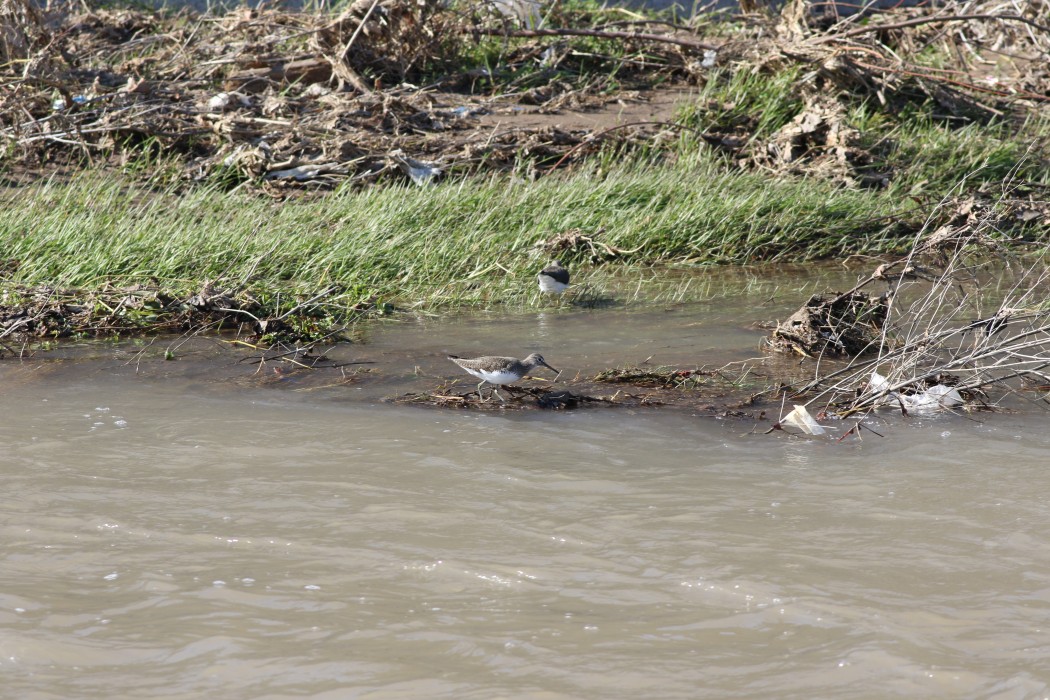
(500, 371)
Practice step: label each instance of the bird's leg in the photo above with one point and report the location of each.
(495, 391)
(480, 397)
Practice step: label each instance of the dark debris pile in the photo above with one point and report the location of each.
(285, 98)
(843, 325)
(968, 238)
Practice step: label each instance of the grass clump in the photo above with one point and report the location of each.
(753, 104)
(780, 122)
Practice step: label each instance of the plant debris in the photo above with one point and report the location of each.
(573, 244)
(844, 325)
(282, 102)
(419, 90)
(666, 377)
(51, 313)
(737, 389)
(963, 323)
(519, 398)
(585, 396)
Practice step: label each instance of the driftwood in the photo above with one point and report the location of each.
(307, 71)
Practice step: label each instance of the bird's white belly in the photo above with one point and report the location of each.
(496, 377)
(549, 284)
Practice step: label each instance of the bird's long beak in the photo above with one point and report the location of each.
(550, 368)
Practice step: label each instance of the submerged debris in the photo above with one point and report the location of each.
(724, 391)
(667, 377)
(519, 398)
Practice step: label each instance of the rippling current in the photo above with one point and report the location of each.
(166, 537)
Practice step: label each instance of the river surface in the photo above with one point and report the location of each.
(204, 527)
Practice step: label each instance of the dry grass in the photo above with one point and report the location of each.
(287, 99)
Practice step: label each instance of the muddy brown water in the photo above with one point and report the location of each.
(180, 529)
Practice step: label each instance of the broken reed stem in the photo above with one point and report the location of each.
(918, 21)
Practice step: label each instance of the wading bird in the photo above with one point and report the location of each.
(554, 278)
(500, 371)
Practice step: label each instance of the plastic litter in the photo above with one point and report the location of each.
(804, 421)
(225, 100)
(59, 104)
(935, 397)
(420, 172)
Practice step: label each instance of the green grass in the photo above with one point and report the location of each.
(740, 100)
(916, 150)
(465, 242)
(929, 157)
(472, 241)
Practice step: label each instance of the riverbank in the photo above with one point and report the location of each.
(289, 207)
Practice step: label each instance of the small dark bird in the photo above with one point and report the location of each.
(554, 278)
(500, 371)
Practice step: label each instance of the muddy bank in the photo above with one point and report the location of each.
(947, 327)
(740, 390)
(272, 103)
(269, 102)
(700, 358)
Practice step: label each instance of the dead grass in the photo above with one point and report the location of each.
(293, 100)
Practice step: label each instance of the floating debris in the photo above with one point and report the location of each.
(934, 397)
(801, 418)
(931, 353)
(519, 398)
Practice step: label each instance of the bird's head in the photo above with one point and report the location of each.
(536, 360)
